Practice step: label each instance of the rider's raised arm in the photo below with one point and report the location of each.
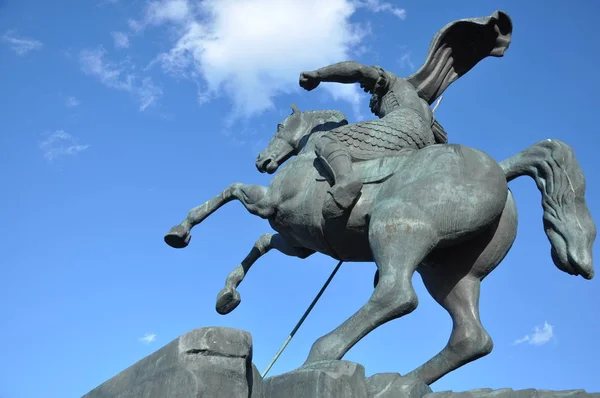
(348, 72)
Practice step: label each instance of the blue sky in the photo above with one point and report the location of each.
(119, 116)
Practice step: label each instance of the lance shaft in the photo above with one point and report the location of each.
(308, 310)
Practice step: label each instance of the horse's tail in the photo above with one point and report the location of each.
(567, 220)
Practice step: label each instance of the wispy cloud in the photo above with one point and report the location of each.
(405, 59)
(121, 40)
(135, 25)
(120, 76)
(72, 102)
(541, 335)
(161, 11)
(114, 75)
(148, 93)
(382, 6)
(58, 144)
(234, 48)
(148, 338)
(21, 45)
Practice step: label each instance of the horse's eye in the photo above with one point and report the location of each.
(279, 127)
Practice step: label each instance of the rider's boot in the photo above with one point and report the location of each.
(345, 191)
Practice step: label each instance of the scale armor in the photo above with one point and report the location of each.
(399, 129)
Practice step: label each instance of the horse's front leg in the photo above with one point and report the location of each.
(255, 198)
(229, 298)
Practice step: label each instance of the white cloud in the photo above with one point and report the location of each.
(58, 144)
(121, 40)
(406, 61)
(114, 75)
(379, 6)
(72, 102)
(134, 25)
(234, 48)
(349, 93)
(21, 45)
(161, 11)
(541, 335)
(120, 76)
(148, 338)
(148, 93)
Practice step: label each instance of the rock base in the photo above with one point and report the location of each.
(207, 362)
(326, 379)
(510, 393)
(216, 362)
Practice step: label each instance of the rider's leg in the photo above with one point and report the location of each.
(346, 188)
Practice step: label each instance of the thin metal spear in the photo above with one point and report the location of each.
(437, 103)
(287, 341)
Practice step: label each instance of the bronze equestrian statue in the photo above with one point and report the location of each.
(406, 202)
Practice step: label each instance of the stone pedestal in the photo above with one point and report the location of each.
(207, 362)
(216, 362)
(392, 385)
(327, 379)
(510, 393)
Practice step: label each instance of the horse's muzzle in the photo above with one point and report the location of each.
(266, 165)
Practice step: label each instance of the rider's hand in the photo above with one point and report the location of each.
(379, 85)
(373, 87)
(309, 80)
(367, 86)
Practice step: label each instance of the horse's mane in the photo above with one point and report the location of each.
(326, 120)
(328, 115)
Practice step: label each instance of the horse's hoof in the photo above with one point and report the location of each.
(227, 301)
(178, 237)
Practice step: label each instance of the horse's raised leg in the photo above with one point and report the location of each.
(401, 236)
(255, 198)
(469, 340)
(229, 298)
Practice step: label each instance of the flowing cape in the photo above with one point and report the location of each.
(457, 48)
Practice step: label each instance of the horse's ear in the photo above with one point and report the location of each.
(295, 109)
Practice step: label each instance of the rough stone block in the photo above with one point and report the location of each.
(216, 362)
(208, 362)
(510, 393)
(393, 385)
(326, 379)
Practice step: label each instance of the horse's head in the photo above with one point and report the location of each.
(291, 133)
(284, 143)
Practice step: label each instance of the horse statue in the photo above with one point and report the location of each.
(444, 211)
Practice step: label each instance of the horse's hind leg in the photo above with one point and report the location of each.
(401, 236)
(229, 298)
(255, 198)
(454, 282)
(469, 340)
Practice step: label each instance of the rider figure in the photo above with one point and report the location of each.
(405, 121)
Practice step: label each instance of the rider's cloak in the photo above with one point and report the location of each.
(457, 48)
